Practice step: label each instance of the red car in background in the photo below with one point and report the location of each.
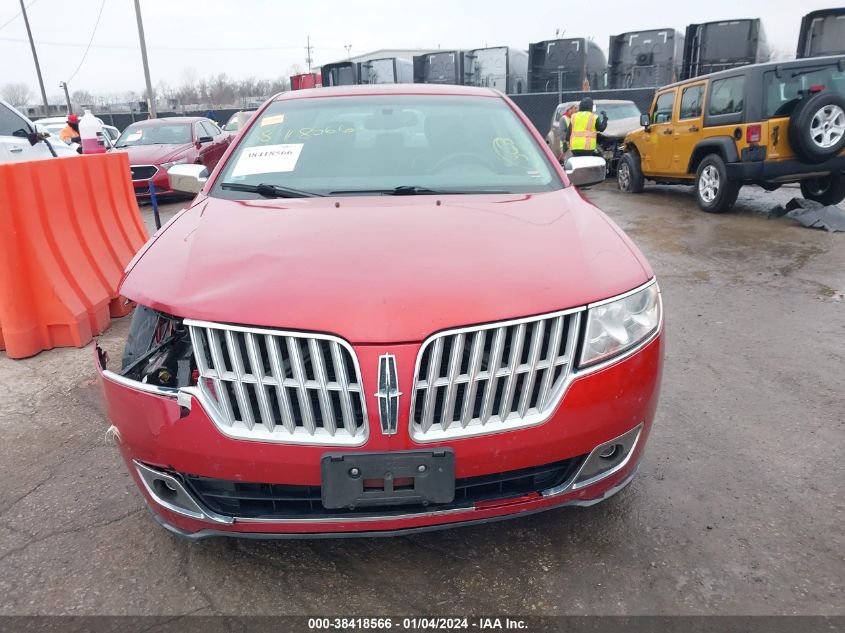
(387, 309)
(156, 145)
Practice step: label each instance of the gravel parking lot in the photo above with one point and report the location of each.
(737, 508)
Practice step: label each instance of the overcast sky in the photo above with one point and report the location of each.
(264, 38)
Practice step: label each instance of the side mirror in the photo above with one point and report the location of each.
(584, 171)
(33, 137)
(645, 120)
(188, 178)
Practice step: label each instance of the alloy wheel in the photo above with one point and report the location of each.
(818, 186)
(623, 177)
(708, 184)
(828, 126)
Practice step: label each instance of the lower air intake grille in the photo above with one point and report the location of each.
(279, 501)
(278, 386)
(492, 378)
(143, 172)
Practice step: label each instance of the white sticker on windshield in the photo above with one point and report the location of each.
(268, 159)
(134, 136)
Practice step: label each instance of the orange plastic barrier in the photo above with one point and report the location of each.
(68, 228)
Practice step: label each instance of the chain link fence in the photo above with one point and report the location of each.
(122, 120)
(539, 107)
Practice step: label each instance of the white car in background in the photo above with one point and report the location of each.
(55, 124)
(19, 139)
(237, 121)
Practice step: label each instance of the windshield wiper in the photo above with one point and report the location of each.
(402, 190)
(271, 191)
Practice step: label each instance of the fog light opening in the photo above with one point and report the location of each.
(607, 459)
(611, 452)
(165, 489)
(168, 491)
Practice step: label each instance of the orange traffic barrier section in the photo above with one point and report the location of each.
(68, 228)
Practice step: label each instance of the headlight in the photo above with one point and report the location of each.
(179, 161)
(619, 325)
(158, 350)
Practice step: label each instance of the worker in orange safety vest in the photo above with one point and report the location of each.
(70, 132)
(564, 123)
(584, 128)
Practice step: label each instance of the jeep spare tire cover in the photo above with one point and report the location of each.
(817, 127)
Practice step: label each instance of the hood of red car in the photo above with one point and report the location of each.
(384, 269)
(153, 154)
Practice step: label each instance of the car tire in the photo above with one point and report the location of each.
(713, 191)
(825, 189)
(817, 127)
(629, 176)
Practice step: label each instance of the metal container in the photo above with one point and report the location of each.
(565, 64)
(644, 59)
(715, 46)
(440, 67)
(341, 74)
(822, 33)
(499, 67)
(387, 70)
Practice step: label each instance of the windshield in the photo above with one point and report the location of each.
(54, 128)
(377, 143)
(617, 111)
(171, 134)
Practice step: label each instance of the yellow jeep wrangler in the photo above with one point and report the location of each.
(763, 124)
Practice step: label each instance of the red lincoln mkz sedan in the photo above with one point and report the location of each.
(386, 310)
(156, 145)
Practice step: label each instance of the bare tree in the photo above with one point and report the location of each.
(17, 94)
(82, 98)
(247, 87)
(222, 90)
(189, 76)
(263, 88)
(204, 91)
(281, 84)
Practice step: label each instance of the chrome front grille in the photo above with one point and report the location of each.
(492, 378)
(273, 385)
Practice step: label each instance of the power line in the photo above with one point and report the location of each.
(252, 49)
(88, 48)
(16, 16)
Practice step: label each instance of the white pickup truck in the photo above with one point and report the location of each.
(19, 139)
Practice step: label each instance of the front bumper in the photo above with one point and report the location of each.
(783, 170)
(160, 432)
(160, 181)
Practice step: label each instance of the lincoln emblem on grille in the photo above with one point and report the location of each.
(388, 394)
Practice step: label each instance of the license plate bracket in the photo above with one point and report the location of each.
(355, 480)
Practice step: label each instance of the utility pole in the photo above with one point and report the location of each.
(150, 96)
(35, 58)
(63, 84)
(308, 49)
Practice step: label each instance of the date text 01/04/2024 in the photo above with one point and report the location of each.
(417, 623)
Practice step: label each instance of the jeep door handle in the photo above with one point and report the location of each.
(667, 130)
(16, 150)
(694, 128)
